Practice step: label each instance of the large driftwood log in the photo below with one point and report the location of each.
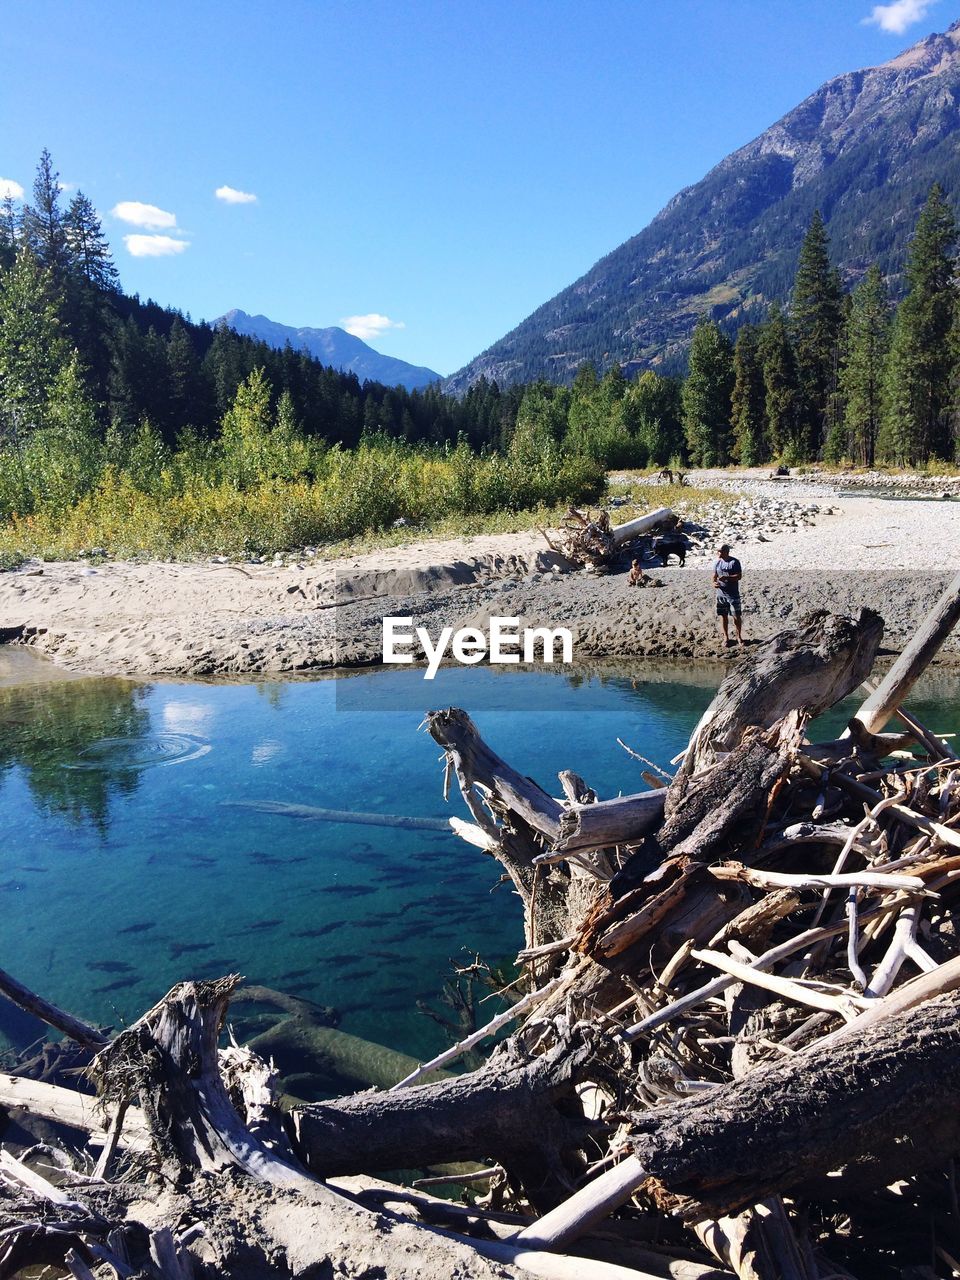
(519, 1111)
(516, 820)
(895, 687)
(864, 1105)
(809, 668)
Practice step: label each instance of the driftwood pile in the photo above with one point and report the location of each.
(736, 1053)
(594, 541)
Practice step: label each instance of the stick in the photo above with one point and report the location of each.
(786, 987)
(585, 1207)
(718, 985)
(946, 977)
(783, 880)
(113, 1138)
(853, 941)
(82, 1032)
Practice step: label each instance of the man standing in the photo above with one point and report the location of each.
(726, 578)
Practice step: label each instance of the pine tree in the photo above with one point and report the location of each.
(815, 325)
(783, 401)
(32, 346)
(706, 396)
(749, 400)
(861, 379)
(44, 223)
(186, 399)
(9, 233)
(89, 253)
(918, 397)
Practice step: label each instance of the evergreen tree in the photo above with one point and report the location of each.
(749, 400)
(9, 233)
(861, 379)
(89, 252)
(815, 325)
(918, 398)
(32, 346)
(706, 396)
(44, 224)
(186, 398)
(783, 400)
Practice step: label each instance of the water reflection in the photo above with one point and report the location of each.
(48, 729)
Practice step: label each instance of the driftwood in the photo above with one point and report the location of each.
(512, 1110)
(595, 542)
(812, 667)
(736, 1026)
(895, 687)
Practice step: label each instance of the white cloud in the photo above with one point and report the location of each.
(10, 188)
(147, 216)
(67, 186)
(230, 195)
(154, 246)
(899, 15)
(370, 326)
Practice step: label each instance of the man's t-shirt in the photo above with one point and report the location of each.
(731, 591)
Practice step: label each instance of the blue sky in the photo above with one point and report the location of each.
(438, 168)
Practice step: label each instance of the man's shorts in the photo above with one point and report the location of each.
(727, 605)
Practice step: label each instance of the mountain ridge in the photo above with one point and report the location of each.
(864, 148)
(333, 346)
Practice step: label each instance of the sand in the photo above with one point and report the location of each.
(820, 550)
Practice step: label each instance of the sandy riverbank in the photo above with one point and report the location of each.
(206, 618)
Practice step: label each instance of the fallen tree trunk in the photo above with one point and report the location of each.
(518, 1111)
(863, 1106)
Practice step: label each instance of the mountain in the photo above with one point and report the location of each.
(864, 149)
(334, 347)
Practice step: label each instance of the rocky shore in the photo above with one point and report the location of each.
(304, 614)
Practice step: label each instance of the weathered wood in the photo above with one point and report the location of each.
(610, 822)
(82, 1032)
(68, 1107)
(809, 668)
(853, 1102)
(512, 1110)
(895, 687)
(169, 1057)
(587, 1207)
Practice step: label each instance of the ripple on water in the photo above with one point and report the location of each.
(139, 753)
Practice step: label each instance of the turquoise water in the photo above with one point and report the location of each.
(125, 867)
(127, 863)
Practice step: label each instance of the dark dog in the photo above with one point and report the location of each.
(671, 545)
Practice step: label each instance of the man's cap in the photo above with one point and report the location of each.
(724, 546)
